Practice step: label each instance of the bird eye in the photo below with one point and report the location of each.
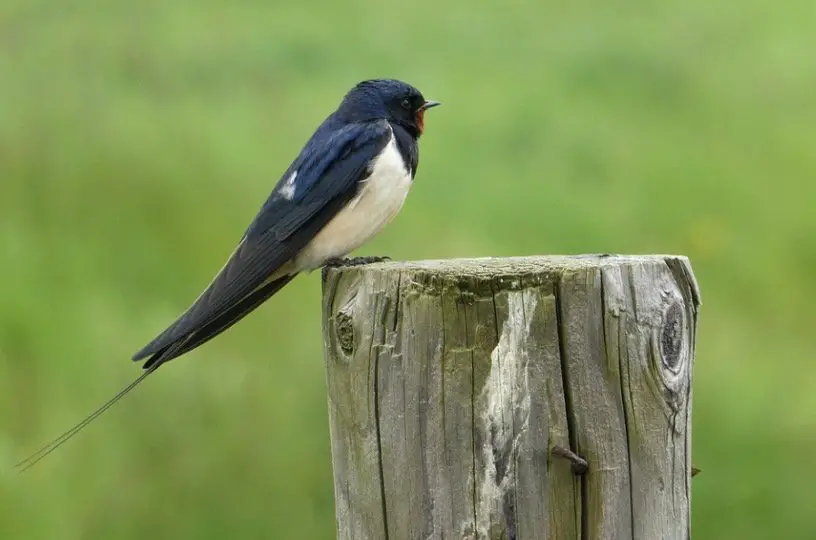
(406, 103)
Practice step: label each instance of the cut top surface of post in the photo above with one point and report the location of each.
(538, 266)
(518, 266)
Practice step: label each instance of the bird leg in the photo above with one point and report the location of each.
(338, 262)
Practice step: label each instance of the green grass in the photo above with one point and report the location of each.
(138, 139)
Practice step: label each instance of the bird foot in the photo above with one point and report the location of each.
(579, 464)
(354, 261)
(598, 255)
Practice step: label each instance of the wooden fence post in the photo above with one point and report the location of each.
(459, 388)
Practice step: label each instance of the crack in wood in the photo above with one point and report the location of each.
(581, 508)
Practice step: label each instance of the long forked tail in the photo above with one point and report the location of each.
(31, 460)
(192, 340)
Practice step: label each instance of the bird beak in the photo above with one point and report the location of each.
(429, 105)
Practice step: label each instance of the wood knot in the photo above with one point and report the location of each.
(671, 336)
(344, 328)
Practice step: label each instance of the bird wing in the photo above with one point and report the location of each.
(327, 174)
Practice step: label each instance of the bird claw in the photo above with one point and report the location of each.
(354, 261)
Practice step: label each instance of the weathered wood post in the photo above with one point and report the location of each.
(456, 387)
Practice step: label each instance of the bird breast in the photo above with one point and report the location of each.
(379, 199)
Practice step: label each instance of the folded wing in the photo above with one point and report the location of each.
(327, 172)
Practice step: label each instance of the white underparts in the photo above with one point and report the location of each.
(380, 198)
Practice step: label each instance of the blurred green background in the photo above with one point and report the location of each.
(137, 140)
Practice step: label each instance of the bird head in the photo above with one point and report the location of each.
(388, 99)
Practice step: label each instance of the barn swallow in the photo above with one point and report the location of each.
(350, 179)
